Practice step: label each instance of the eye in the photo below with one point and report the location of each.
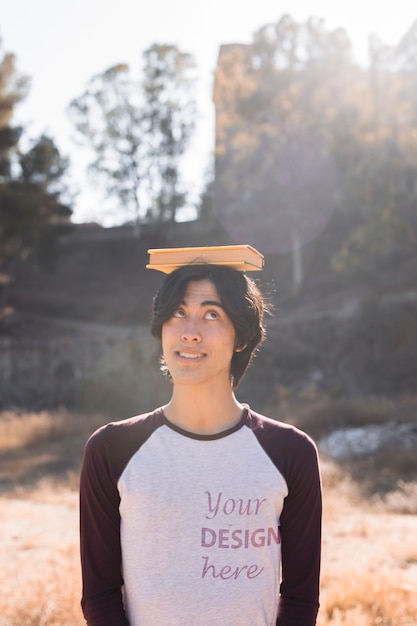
(211, 315)
(178, 313)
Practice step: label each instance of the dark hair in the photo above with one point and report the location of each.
(240, 297)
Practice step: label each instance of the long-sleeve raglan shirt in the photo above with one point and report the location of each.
(203, 530)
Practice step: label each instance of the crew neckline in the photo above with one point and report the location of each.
(210, 437)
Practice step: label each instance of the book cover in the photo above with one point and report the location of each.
(244, 258)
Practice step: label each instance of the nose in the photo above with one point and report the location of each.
(191, 332)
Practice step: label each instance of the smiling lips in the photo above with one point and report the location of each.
(190, 355)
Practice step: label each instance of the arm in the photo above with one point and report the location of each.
(102, 602)
(301, 539)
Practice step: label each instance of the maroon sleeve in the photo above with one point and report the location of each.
(295, 456)
(102, 602)
(301, 540)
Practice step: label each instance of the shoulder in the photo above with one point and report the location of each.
(291, 450)
(113, 444)
(267, 428)
(139, 425)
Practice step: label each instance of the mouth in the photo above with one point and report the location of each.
(191, 356)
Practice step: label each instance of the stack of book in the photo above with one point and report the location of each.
(244, 258)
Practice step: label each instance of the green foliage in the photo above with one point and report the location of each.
(30, 199)
(44, 166)
(27, 217)
(13, 89)
(31, 183)
(139, 130)
(303, 133)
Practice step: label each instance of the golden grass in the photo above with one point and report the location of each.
(49, 490)
(369, 573)
(25, 429)
(369, 570)
(49, 598)
(319, 414)
(367, 599)
(403, 499)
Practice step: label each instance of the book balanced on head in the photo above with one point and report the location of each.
(244, 258)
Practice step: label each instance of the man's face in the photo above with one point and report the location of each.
(199, 339)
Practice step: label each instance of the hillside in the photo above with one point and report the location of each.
(98, 274)
(83, 313)
(99, 279)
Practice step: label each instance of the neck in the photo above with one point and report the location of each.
(203, 411)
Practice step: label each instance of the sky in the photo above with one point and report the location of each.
(60, 45)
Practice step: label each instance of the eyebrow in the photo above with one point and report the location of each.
(212, 303)
(207, 303)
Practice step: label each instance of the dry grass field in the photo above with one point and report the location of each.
(369, 573)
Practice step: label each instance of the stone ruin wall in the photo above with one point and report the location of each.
(52, 369)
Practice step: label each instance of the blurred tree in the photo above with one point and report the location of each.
(32, 212)
(306, 138)
(30, 183)
(13, 89)
(138, 131)
(169, 118)
(378, 204)
(44, 166)
(275, 156)
(406, 50)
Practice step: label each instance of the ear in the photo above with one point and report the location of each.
(241, 348)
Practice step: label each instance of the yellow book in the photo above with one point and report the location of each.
(244, 258)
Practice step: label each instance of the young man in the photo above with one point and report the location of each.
(202, 512)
